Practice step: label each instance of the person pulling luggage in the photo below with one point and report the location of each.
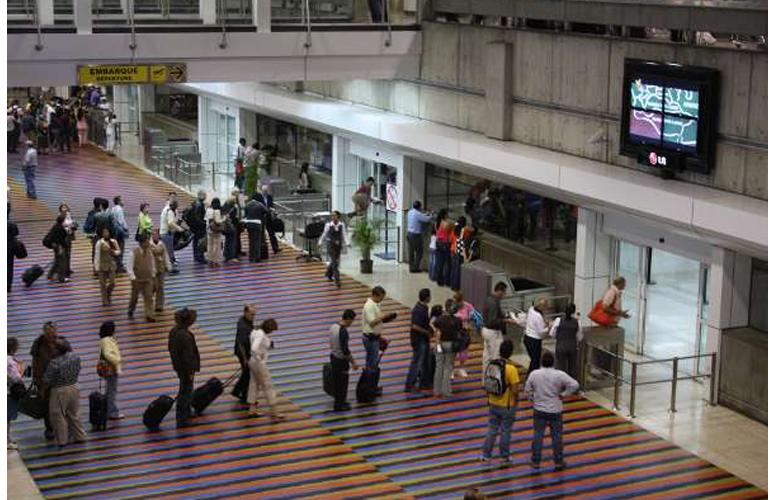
(341, 359)
(186, 361)
(242, 351)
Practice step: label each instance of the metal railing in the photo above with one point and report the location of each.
(618, 379)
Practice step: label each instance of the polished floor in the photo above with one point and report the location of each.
(405, 446)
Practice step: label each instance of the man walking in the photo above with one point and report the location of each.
(169, 226)
(141, 272)
(335, 235)
(30, 166)
(196, 221)
(373, 319)
(494, 324)
(186, 362)
(105, 251)
(162, 266)
(242, 352)
(121, 229)
(419, 336)
(546, 386)
(42, 352)
(341, 359)
(416, 220)
(503, 398)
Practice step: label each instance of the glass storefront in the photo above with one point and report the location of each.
(531, 220)
(295, 144)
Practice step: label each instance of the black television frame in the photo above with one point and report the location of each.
(706, 80)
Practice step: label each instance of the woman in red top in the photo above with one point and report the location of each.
(443, 247)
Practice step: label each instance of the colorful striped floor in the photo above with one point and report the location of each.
(406, 446)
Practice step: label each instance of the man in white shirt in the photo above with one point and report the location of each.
(336, 235)
(168, 226)
(372, 327)
(536, 330)
(141, 272)
(119, 217)
(30, 166)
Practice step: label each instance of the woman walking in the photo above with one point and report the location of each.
(70, 227)
(109, 357)
(568, 335)
(56, 240)
(260, 376)
(215, 232)
(61, 376)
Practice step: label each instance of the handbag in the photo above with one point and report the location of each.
(104, 368)
(33, 404)
(17, 390)
(600, 317)
(383, 344)
(228, 226)
(19, 250)
(216, 227)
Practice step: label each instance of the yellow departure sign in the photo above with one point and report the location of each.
(113, 74)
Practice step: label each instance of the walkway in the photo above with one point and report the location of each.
(406, 446)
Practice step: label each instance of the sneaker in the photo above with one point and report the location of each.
(13, 445)
(560, 466)
(344, 407)
(534, 464)
(462, 373)
(119, 416)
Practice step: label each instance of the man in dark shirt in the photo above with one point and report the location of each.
(341, 359)
(242, 350)
(494, 325)
(449, 327)
(256, 216)
(185, 360)
(13, 234)
(419, 337)
(42, 352)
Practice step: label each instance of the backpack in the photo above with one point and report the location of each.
(495, 382)
(478, 320)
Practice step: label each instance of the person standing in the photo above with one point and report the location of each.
(419, 337)
(121, 230)
(110, 352)
(494, 324)
(546, 386)
(42, 352)
(12, 126)
(416, 220)
(449, 327)
(111, 126)
(232, 209)
(141, 272)
(240, 160)
(15, 369)
(568, 335)
(104, 264)
(260, 379)
(304, 178)
(335, 236)
(30, 168)
(535, 331)
(464, 311)
(502, 407)
(215, 227)
(168, 226)
(255, 220)
(82, 127)
(243, 352)
(144, 221)
(70, 227)
(196, 221)
(459, 237)
(65, 131)
(56, 240)
(162, 266)
(61, 376)
(186, 362)
(267, 201)
(13, 235)
(341, 359)
(443, 247)
(372, 327)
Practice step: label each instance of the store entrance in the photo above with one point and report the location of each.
(667, 297)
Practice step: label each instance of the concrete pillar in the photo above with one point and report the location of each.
(83, 15)
(344, 175)
(499, 90)
(593, 262)
(411, 187)
(261, 15)
(208, 11)
(45, 12)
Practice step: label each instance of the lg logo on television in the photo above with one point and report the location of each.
(654, 159)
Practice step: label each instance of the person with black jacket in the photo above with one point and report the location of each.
(256, 215)
(196, 221)
(186, 362)
(341, 359)
(267, 201)
(42, 352)
(13, 234)
(232, 209)
(419, 337)
(56, 240)
(449, 328)
(242, 350)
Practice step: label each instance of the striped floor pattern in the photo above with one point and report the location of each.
(406, 446)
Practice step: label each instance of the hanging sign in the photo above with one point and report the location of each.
(112, 74)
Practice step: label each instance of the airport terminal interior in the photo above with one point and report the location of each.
(387, 249)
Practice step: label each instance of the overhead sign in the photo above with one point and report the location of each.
(113, 74)
(391, 198)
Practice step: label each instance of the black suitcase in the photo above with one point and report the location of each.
(366, 390)
(31, 275)
(328, 380)
(157, 411)
(206, 394)
(98, 410)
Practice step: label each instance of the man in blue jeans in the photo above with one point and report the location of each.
(419, 337)
(546, 386)
(372, 327)
(502, 407)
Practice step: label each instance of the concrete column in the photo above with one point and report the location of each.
(499, 90)
(593, 262)
(411, 187)
(83, 15)
(344, 175)
(208, 11)
(261, 15)
(45, 12)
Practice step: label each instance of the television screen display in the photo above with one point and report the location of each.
(669, 109)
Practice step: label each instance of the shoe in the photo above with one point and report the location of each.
(339, 285)
(119, 416)
(158, 310)
(534, 464)
(278, 416)
(49, 436)
(344, 407)
(485, 458)
(560, 466)
(408, 390)
(13, 445)
(151, 320)
(130, 314)
(463, 373)
(174, 271)
(330, 279)
(183, 425)
(378, 392)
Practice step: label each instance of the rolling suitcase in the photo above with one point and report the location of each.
(366, 390)
(31, 275)
(98, 410)
(204, 395)
(157, 411)
(328, 380)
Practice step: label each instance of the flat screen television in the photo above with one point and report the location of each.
(669, 116)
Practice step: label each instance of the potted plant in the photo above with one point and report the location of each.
(366, 234)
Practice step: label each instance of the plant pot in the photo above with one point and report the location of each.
(367, 266)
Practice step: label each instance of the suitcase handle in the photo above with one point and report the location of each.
(232, 378)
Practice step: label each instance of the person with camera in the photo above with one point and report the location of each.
(105, 251)
(110, 366)
(373, 320)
